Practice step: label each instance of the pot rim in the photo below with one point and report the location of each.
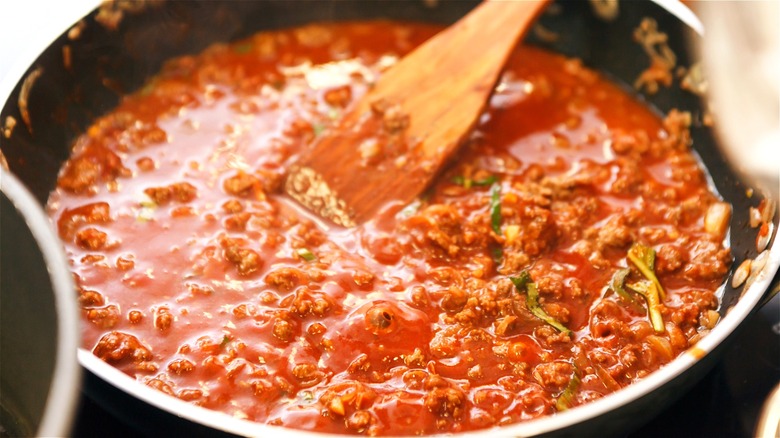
(748, 302)
(64, 389)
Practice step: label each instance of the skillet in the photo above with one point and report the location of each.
(82, 74)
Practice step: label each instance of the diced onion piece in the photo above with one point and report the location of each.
(709, 318)
(763, 236)
(741, 274)
(661, 345)
(716, 220)
(511, 232)
(567, 397)
(756, 267)
(767, 208)
(755, 217)
(337, 406)
(643, 258)
(648, 289)
(606, 378)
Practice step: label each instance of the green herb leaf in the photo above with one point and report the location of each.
(566, 399)
(648, 289)
(495, 208)
(334, 114)
(411, 209)
(643, 258)
(462, 181)
(318, 128)
(492, 179)
(617, 283)
(523, 283)
(469, 183)
(225, 340)
(242, 49)
(498, 253)
(147, 89)
(306, 254)
(146, 212)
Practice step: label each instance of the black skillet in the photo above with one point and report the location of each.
(104, 62)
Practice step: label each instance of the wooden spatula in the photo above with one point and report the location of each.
(392, 142)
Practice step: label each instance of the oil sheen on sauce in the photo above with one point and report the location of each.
(198, 277)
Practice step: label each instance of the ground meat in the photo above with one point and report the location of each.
(305, 301)
(90, 298)
(247, 261)
(180, 192)
(283, 329)
(615, 233)
(307, 374)
(670, 259)
(709, 261)
(445, 402)
(437, 229)
(237, 222)
(338, 96)
(105, 317)
(244, 185)
(554, 374)
(285, 279)
(94, 165)
(163, 318)
(71, 219)
(116, 346)
(409, 323)
(91, 238)
(180, 366)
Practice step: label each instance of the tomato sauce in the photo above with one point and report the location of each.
(199, 277)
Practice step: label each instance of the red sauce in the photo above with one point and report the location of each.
(198, 277)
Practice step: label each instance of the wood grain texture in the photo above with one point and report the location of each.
(439, 91)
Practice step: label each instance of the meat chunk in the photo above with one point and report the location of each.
(445, 402)
(115, 347)
(553, 374)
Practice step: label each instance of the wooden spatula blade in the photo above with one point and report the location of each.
(393, 141)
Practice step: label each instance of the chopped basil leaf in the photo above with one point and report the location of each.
(495, 208)
(469, 183)
(523, 283)
(461, 181)
(306, 254)
(648, 289)
(492, 179)
(242, 49)
(643, 258)
(225, 340)
(618, 282)
(318, 128)
(147, 89)
(566, 398)
(146, 212)
(498, 254)
(410, 209)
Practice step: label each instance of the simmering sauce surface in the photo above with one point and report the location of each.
(198, 277)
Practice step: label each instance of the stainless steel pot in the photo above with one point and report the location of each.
(39, 373)
(102, 62)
